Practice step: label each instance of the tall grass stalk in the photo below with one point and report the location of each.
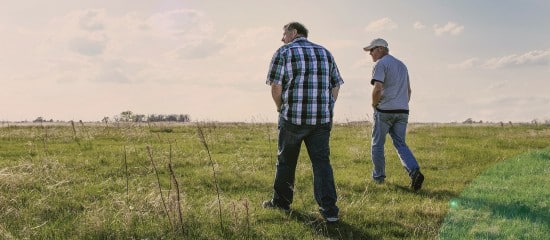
(85, 130)
(247, 208)
(176, 184)
(74, 131)
(212, 163)
(126, 175)
(5, 234)
(149, 151)
(268, 130)
(9, 132)
(45, 137)
(75, 137)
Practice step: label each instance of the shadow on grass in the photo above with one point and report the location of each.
(471, 213)
(514, 210)
(339, 230)
(435, 194)
(344, 230)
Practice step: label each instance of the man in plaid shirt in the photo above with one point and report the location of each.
(304, 82)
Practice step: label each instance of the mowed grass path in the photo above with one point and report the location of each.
(160, 182)
(509, 201)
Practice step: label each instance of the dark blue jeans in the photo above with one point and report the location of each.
(316, 138)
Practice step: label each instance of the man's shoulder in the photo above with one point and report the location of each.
(390, 60)
(304, 43)
(301, 44)
(283, 48)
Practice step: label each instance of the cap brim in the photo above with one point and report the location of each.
(368, 48)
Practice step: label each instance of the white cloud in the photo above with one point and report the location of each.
(183, 24)
(88, 46)
(159, 57)
(515, 107)
(380, 25)
(244, 40)
(92, 20)
(495, 85)
(467, 64)
(450, 28)
(84, 32)
(198, 50)
(418, 25)
(532, 58)
(124, 49)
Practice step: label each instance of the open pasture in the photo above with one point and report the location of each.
(207, 181)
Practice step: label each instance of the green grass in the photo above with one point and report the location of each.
(98, 182)
(509, 201)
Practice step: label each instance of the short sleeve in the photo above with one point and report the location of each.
(378, 73)
(276, 69)
(335, 77)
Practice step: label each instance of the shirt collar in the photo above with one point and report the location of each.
(299, 39)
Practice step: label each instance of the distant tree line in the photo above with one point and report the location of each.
(41, 119)
(534, 122)
(129, 116)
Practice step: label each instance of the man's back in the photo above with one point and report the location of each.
(395, 77)
(307, 72)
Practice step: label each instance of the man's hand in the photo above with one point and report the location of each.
(377, 93)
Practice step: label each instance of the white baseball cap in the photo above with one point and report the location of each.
(379, 42)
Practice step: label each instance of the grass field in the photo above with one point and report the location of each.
(207, 181)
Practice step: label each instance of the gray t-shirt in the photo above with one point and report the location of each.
(395, 77)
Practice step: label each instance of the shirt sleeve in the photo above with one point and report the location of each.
(276, 69)
(335, 77)
(378, 73)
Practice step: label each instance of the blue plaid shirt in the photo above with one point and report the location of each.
(308, 74)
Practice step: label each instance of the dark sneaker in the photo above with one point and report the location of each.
(378, 180)
(269, 204)
(416, 180)
(328, 219)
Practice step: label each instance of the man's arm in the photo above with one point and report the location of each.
(410, 92)
(335, 91)
(377, 93)
(276, 93)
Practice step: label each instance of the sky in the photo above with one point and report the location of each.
(89, 59)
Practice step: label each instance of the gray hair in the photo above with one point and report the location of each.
(300, 28)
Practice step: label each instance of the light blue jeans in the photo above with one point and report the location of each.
(396, 125)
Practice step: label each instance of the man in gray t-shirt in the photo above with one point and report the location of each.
(393, 78)
(390, 100)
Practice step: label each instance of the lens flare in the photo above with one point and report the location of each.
(454, 203)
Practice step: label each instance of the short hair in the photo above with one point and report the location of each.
(300, 28)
